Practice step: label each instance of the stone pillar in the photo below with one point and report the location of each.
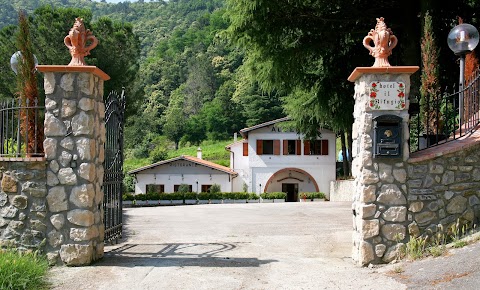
(74, 150)
(380, 204)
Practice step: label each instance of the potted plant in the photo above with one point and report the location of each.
(279, 196)
(190, 198)
(215, 198)
(176, 198)
(152, 198)
(164, 199)
(265, 197)
(127, 199)
(228, 197)
(241, 197)
(253, 198)
(303, 197)
(204, 197)
(314, 196)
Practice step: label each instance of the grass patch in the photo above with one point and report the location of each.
(213, 151)
(415, 248)
(437, 251)
(22, 270)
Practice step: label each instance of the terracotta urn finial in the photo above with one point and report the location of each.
(384, 41)
(77, 40)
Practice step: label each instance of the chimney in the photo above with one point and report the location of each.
(235, 137)
(199, 153)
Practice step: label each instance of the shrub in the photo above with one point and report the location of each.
(176, 195)
(152, 196)
(273, 195)
(164, 196)
(204, 196)
(140, 196)
(215, 188)
(228, 195)
(128, 183)
(240, 195)
(253, 195)
(128, 196)
(22, 270)
(190, 195)
(184, 188)
(312, 195)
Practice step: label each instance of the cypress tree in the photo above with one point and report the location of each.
(27, 89)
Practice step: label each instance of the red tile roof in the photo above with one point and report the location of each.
(188, 158)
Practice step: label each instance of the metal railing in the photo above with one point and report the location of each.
(21, 128)
(442, 119)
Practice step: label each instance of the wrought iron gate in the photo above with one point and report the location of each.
(113, 166)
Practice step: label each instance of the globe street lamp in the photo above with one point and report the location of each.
(462, 40)
(16, 58)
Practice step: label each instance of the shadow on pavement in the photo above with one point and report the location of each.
(177, 255)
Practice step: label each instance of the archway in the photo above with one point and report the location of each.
(292, 181)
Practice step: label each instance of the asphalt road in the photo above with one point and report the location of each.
(235, 246)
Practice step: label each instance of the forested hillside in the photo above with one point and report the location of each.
(182, 78)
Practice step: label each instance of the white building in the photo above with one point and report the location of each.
(267, 159)
(168, 175)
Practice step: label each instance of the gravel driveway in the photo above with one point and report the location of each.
(230, 246)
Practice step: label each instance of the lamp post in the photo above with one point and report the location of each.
(16, 58)
(462, 40)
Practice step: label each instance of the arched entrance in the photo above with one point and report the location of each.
(292, 181)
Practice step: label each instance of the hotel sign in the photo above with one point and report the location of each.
(386, 96)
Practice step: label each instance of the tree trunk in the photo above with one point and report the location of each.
(346, 171)
(350, 146)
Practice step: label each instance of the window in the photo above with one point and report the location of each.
(245, 149)
(177, 186)
(317, 147)
(268, 147)
(155, 188)
(206, 187)
(291, 147)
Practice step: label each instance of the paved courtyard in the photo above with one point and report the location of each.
(230, 246)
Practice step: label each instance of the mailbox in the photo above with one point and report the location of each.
(387, 136)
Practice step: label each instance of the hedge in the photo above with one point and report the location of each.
(273, 195)
(312, 195)
(191, 195)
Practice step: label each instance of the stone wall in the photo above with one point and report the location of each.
(24, 218)
(444, 190)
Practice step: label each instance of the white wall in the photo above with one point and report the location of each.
(182, 171)
(239, 164)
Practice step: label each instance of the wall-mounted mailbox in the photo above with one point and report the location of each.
(387, 136)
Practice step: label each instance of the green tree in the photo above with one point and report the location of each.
(304, 50)
(117, 54)
(430, 86)
(174, 118)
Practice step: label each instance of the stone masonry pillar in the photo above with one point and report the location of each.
(380, 204)
(380, 151)
(74, 150)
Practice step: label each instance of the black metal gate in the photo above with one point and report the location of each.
(113, 166)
